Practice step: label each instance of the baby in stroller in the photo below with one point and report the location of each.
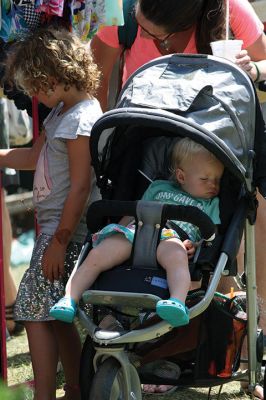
(195, 182)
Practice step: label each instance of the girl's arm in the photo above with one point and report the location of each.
(24, 158)
(80, 185)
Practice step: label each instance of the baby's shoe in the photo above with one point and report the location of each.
(173, 311)
(64, 310)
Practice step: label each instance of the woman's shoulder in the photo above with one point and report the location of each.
(245, 23)
(240, 8)
(109, 36)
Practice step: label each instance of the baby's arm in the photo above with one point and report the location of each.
(80, 184)
(22, 158)
(126, 220)
(190, 247)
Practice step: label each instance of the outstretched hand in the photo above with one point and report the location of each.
(190, 247)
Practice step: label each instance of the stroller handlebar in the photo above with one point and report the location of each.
(116, 208)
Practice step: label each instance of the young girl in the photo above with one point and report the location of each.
(55, 66)
(197, 175)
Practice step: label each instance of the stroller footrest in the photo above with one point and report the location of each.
(109, 298)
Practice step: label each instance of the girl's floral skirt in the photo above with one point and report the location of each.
(36, 294)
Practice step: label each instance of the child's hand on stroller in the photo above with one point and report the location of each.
(190, 247)
(53, 260)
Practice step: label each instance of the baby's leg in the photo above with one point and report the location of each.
(112, 251)
(172, 256)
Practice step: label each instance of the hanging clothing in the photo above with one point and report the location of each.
(17, 20)
(88, 16)
(50, 7)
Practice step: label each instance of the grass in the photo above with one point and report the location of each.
(18, 357)
(19, 371)
(19, 366)
(19, 363)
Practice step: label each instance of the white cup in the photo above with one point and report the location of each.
(226, 48)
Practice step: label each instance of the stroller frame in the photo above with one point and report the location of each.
(112, 345)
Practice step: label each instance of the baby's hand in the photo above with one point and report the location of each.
(190, 247)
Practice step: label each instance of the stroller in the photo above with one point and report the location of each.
(214, 103)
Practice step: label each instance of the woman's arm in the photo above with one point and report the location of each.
(256, 53)
(105, 57)
(80, 185)
(22, 158)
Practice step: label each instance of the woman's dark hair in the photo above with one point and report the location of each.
(179, 15)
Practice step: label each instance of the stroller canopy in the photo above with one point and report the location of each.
(206, 98)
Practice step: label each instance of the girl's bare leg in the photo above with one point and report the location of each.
(44, 357)
(112, 251)
(69, 346)
(172, 256)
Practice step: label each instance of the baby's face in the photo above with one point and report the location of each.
(201, 176)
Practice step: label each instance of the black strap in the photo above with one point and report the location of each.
(182, 234)
(127, 33)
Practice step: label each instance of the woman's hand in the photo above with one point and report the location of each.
(243, 61)
(190, 247)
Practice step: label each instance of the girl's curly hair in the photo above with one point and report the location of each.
(51, 53)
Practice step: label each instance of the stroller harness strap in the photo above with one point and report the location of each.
(152, 217)
(149, 216)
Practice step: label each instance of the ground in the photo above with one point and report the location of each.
(19, 371)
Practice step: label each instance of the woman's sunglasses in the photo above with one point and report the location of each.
(156, 37)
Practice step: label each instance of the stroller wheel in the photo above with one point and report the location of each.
(109, 382)
(86, 368)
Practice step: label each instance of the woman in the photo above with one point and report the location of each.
(188, 28)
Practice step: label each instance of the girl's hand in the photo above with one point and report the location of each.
(243, 61)
(53, 260)
(190, 247)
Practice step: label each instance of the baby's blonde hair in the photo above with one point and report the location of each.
(184, 150)
(52, 53)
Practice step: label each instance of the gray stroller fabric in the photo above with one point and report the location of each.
(198, 88)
